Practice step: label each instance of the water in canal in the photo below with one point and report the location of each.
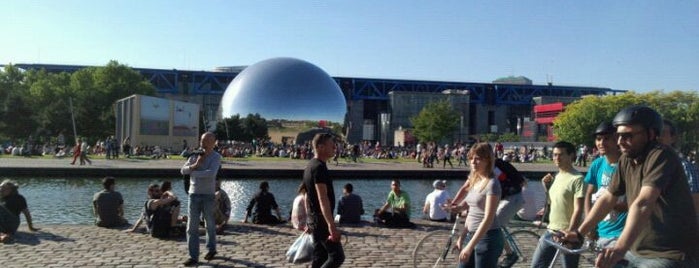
(69, 200)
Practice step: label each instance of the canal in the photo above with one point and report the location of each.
(69, 200)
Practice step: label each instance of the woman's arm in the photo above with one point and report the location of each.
(28, 216)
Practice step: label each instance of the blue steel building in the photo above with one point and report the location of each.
(378, 107)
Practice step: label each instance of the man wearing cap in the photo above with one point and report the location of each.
(434, 201)
(597, 180)
(661, 227)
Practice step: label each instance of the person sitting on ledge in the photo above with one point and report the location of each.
(263, 202)
(160, 213)
(11, 204)
(108, 205)
(350, 207)
(399, 203)
(222, 209)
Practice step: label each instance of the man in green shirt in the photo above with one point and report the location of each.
(399, 203)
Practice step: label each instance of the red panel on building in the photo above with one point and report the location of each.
(553, 107)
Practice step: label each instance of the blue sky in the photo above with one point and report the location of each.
(629, 45)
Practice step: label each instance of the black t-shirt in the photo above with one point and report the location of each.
(263, 202)
(315, 173)
(14, 203)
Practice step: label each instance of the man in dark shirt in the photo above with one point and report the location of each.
(263, 202)
(108, 205)
(11, 204)
(327, 250)
(661, 227)
(350, 208)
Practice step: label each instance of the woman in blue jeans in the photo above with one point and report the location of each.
(484, 241)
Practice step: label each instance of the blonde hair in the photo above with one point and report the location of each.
(485, 153)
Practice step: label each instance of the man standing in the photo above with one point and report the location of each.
(435, 200)
(327, 250)
(598, 178)
(108, 205)
(566, 197)
(202, 170)
(661, 226)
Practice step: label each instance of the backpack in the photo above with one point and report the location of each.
(159, 221)
(510, 178)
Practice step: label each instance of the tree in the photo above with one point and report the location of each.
(581, 117)
(435, 121)
(16, 121)
(245, 129)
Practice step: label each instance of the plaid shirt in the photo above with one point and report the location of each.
(692, 173)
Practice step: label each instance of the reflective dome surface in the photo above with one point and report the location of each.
(284, 88)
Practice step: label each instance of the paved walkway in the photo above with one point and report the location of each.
(242, 245)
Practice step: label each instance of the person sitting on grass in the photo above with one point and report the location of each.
(11, 204)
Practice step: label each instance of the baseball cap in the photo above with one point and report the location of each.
(438, 183)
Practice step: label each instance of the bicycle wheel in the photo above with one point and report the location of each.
(525, 245)
(435, 249)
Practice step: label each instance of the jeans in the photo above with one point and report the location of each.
(543, 256)
(198, 204)
(487, 250)
(641, 262)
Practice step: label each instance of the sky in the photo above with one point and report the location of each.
(623, 45)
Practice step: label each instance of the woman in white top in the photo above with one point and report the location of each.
(298, 210)
(484, 240)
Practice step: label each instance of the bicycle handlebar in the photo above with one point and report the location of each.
(584, 247)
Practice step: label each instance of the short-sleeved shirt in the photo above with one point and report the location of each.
(316, 172)
(350, 208)
(108, 203)
(402, 200)
(565, 189)
(476, 199)
(671, 231)
(600, 176)
(15, 203)
(263, 202)
(435, 200)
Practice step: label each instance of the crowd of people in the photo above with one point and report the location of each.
(639, 200)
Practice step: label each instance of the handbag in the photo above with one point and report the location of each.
(301, 251)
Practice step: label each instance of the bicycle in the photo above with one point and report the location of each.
(522, 243)
(435, 248)
(587, 245)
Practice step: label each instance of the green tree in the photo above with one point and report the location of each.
(96, 89)
(245, 129)
(16, 120)
(229, 129)
(508, 137)
(435, 121)
(581, 117)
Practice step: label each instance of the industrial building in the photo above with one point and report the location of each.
(378, 107)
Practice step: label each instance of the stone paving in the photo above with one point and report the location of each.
(242, 245)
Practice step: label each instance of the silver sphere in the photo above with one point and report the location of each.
(284, 88)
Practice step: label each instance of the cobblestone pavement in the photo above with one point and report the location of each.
(242, 245)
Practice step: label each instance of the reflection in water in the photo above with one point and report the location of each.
(69, 201)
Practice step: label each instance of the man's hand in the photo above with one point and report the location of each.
(31, 228)
(334, 236)
(609, 257)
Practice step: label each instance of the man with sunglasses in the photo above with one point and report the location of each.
(661, 227)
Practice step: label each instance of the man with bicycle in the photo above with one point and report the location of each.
(661, 227)
(598, 178)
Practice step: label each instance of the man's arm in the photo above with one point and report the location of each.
(322, 192)
(590, 189)
(577, 214)
(28, 217)
(600, 209)
(639, 215)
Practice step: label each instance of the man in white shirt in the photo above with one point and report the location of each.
(435, 200)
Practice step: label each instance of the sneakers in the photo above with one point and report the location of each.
(509, 260)
(191, 262)
(209, 256)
